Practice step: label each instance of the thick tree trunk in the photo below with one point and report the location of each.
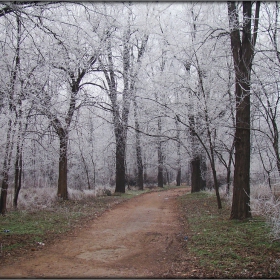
(62, 191)
(195, 174)
(5, 174)
(4, 190)
(120, 167)
(243, 54)
(178, 177)
(120, 135)
(197, 183)
(160, 176)
(121, 124)
(241, 191)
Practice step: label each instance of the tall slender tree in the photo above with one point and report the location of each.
(13, 116)
(243, 43)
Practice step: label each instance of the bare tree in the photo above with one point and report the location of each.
(13, 119)
(243, 54)
(129, 72)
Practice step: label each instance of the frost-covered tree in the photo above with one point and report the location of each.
(124, 46)
(243, 51)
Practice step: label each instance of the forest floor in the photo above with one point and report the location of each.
(165, 234)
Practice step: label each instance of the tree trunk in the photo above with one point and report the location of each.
(18, 162)
(178, 177)
(216, 186)
(33, 163)
(94, 174)
(160, 176)
(12, 108)
(197, 183)
(241, 190)
(166, 177)
(243, 54)
(145, 176)
(273, 119)
(228, 180)
(120, 168)
(120, 160)
(4, 190)
(276, 144)
(62, 191)
(18, 174)
(228, 167)
(213, 167)
(6, 167)
(160, 157)
(85, 166)
(139, 179)
(18, 171)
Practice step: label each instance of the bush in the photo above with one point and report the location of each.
(265, 204)
(30, 198)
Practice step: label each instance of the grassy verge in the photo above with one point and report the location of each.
(225, 248)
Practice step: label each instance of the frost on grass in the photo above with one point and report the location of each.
(265, 203)
(41, 198)
(33, 198)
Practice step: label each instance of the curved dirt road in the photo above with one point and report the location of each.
(138, 238)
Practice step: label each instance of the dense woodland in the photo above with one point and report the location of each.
(138, 94)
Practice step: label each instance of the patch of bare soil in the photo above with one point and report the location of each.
(139, 238)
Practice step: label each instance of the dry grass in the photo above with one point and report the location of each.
(44, 198)
(264, 203)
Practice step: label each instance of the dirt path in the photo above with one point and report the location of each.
(139, 238)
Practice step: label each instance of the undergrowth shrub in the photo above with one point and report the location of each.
(41, 198)
(264, 203)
